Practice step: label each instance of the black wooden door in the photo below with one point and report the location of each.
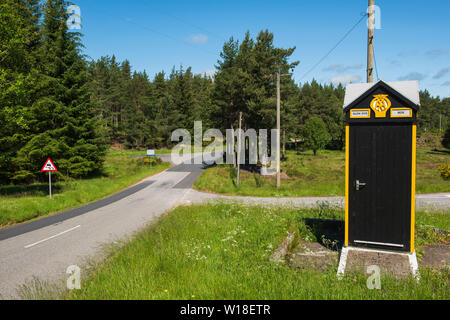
(380, 206)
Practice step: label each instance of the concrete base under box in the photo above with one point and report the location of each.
(395, 263)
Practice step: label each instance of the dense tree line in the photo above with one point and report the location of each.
(55, 103)
(140, 112)
(45, 103)
(434, 113)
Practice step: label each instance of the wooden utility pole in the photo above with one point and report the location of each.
(371, 26)
(233, 148)
(239, 148)
(279, 75)
(278, 130)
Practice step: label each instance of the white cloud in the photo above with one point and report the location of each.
(441, 73)
(413, 76)
(340, 68)
(435, 53)
(407, 53)
(395, 63)
(345, 79)
(198, 38)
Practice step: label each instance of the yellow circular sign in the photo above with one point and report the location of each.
(380, 105)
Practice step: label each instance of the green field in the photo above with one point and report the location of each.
(221, 251)
(22, 203)
(137, 152)
(144, 152)
(309, 175)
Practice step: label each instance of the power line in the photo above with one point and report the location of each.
(335, 46)
(169, 37)
(376, 67)
(184, 21)
(111, 14)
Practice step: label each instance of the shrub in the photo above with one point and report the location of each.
(445, 171)
(316, 134)
(151, 160)
(446, 140)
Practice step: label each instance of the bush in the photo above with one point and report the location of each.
(446, 140)
(429, 139)
(445, 171)
(316, 134)
(258, 180)
(335, 144)
(233, 172)
(23, 177)
(151, 160)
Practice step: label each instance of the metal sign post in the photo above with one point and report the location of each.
(151, 154)
(50, 183)
(49, 167)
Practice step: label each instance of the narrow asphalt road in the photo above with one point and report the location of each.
(45, 248)
(47, 252)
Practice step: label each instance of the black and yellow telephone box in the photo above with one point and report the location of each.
(381, 164)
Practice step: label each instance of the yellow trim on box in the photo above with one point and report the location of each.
(409, 109)
(364, 117)
(347, 177)
(413, 185)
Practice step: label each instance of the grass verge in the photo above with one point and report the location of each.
(309, 175)
(137, 152)
(144, 152)
(23, 203)
(221, 251)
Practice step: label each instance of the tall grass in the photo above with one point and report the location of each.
(221, 251)
(23, 203)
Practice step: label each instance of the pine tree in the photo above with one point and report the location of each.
(166, 116)
(19, 43)
(100, 87)
(227, 86)
(62, 121)
(241, 80)
(137, 126)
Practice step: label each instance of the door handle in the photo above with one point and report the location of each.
(359, 184)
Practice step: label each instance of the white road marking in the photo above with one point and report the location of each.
(49, 238)
(179, 181)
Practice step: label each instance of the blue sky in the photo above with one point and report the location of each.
(412, 44)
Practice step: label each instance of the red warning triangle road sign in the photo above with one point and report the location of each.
(49, 166)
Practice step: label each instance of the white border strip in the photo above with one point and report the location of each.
(414, 265)
(412, 257)
(377, 250)
(342, 263)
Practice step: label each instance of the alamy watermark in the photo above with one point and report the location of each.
(375, 23)
(74, 280)
(250, 142)
(74, 20)
(374, 281)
